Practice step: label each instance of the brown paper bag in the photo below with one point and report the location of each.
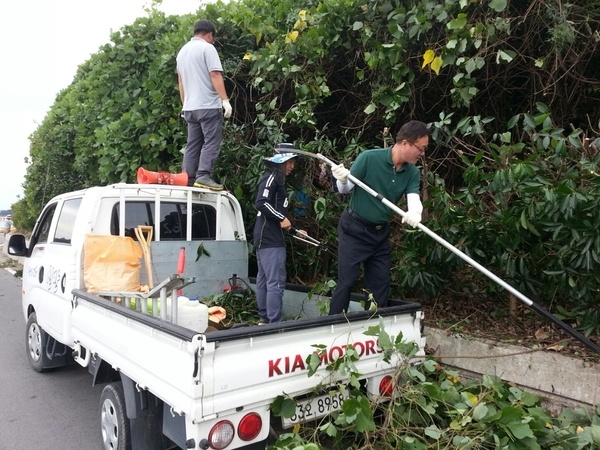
(111, 263)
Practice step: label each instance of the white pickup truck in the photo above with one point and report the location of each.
(168, 385)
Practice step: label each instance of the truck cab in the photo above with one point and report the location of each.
(180, 217)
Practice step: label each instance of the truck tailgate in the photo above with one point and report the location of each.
(240, 369)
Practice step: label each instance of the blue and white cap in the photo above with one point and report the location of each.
(282, 156)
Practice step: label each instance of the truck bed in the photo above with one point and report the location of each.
(203, 374)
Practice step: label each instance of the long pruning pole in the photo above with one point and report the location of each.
(527, 301)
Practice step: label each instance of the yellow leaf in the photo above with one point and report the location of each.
(436, 64)
(452, 378)
(300, 24)
(291, 37)
(296, 429)
(427, 58)
(579, 429)
(548, 425)
(247, 56)
(472, 398)
(302, 15)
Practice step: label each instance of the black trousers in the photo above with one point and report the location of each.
(366, 244)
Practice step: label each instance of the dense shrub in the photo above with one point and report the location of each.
(510, 88)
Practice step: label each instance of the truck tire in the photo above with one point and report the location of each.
(113, 418)
(35, 341)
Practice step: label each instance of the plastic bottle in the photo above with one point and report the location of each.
(192, 314)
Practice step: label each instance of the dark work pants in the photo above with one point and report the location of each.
(203, 142)
(270, 283)
(361, 244)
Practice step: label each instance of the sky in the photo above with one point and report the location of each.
(42, 42)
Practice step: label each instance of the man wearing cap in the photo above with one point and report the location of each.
(270, 229)
(202, 92)
(363, 228)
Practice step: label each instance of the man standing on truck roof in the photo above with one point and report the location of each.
(271, 225)
(203, 94)
(364, 228)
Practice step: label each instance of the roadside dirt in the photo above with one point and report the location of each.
(482, 318)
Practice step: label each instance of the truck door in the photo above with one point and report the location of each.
(50, 267)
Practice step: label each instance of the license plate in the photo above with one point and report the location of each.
(315, 407)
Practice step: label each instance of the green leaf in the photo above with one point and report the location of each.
(511, 414)
(370, 109)
(529, 399)
(276, 405)
(529, 120)
(470, 66)
(513, 121)
(283, 406)
(498, 5)
(520, 430)
(595, 432)
(288, 408)
(364, 420)
(430, 365)
(313, 362)
(524, 222)
(503, 56)
(458, 23)
(372, 330)
(542, 107)
(329, 429)
(357, 26)
(384, 340)
(201, 251)
(480, 411)
(433, 432)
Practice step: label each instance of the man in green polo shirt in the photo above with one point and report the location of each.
(363, 228)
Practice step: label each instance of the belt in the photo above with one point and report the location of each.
(376, 226)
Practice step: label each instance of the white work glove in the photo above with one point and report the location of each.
(340, 173)
(412, 218)
(227, 109)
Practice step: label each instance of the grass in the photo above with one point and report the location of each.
(8, 263)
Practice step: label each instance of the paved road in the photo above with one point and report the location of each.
(58, 410)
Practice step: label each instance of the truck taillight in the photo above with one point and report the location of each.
(221, 435)
(386, 386)
(249, 427)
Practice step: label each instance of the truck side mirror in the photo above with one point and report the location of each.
(17, 246)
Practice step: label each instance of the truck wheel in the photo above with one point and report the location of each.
(35, 343)
(113, 418)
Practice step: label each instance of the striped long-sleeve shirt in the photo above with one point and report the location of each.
(272, 206)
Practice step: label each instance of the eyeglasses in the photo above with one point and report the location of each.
(421, 149)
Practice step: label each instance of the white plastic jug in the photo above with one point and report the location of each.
(192, 314)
